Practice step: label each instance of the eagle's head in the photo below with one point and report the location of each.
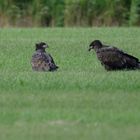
(41, 46)
(96, 44)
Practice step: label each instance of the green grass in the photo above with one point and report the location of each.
(80, 101)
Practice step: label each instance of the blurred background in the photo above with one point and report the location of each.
(69, 13)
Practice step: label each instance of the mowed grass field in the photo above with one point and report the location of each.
(80, 101)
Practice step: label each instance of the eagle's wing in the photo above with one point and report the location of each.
(110, 55)
(116, 58)
(50, 61)
(130, 56)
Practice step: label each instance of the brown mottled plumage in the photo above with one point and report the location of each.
(41, 60)
(114, 59)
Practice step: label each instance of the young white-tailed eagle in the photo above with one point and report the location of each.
(41, 60)
(113, 58)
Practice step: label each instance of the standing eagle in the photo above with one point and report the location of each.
(114, 59)
(41, 60)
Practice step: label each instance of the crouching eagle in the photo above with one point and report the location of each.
(114, 59)
(41, 60)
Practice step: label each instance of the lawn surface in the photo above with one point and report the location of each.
(80, 101)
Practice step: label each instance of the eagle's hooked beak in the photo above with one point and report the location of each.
(90, 48)
(45, 46)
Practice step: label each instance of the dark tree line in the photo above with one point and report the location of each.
(69, 13)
